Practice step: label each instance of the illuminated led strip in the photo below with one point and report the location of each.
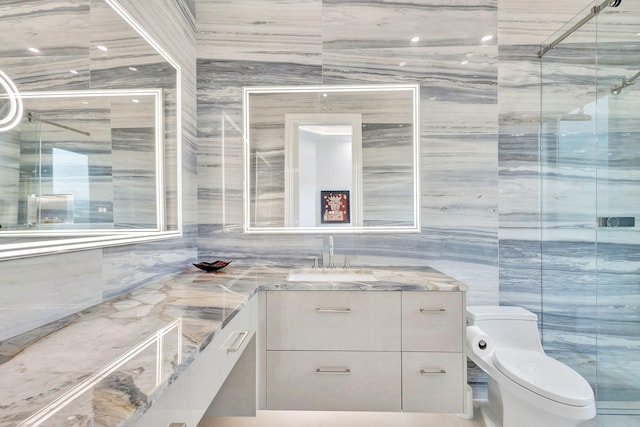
(15, 101)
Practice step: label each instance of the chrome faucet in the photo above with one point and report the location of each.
(331, 265)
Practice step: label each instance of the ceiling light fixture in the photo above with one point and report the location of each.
(34, 50)
(415, 39)
(102, 48)
(133, 68)
(487, 38)
(402, 64)
(74, 72)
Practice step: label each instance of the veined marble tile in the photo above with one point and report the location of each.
(288, 32)
(33, 295)
(33, 21)
(362, 25)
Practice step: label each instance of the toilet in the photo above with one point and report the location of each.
(527, 388)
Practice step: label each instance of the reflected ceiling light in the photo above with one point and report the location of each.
(325, 95)
(85, 102)
(16, 108)
(74, 72)
(465, 62)
(487, 38)
(102, 48)
(135, 101)
(402, 64)
(34, 50)
(133, 68)
(415, 39)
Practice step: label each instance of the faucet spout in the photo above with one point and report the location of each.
(331, 264)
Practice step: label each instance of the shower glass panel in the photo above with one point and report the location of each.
(590, 206)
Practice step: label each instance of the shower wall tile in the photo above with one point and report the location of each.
(10, 177)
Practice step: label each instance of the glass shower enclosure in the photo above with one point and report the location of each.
(590, 201)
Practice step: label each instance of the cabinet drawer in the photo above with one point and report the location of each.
(328, 320)
(432, 382)
(432, 321)
(334, 380)
(211, 368)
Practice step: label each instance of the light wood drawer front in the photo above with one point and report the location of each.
(334, 381)
(432, 382)
(432, 321)
(328, 320)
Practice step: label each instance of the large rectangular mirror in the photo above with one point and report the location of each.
(87, 162)
(339, 159)
(90, 129)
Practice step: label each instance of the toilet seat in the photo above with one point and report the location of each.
(545, 376)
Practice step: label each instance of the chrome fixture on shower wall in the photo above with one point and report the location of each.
(595, 10)
(31, 116)
(616, 89)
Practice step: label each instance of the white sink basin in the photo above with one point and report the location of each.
(331, 275)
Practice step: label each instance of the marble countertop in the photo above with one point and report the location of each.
(101, 367)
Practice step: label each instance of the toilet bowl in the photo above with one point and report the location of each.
(527, 388)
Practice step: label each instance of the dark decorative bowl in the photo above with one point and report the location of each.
(212, 266)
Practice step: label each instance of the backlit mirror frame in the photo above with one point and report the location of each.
(413, 89)
(70, 241)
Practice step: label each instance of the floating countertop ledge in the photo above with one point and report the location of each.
(103, 362)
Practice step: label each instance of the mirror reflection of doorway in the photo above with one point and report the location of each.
(323, 152)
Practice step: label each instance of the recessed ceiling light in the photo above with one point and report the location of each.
(102, 48)
(133, 68)
(415, 39)
(487, 38)
(74, 72)
(34, 50)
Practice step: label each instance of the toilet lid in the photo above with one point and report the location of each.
(545, 376)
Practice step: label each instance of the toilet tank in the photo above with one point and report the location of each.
(507, 326)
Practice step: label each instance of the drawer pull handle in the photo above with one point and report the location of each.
(333, 310)
(333, 371)
(432, 310)
(242, 335)
(425, 372)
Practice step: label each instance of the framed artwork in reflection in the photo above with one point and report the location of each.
(334, 207)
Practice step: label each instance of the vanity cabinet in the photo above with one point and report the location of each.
(364, 351)
(433, 360)
(333, 350)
